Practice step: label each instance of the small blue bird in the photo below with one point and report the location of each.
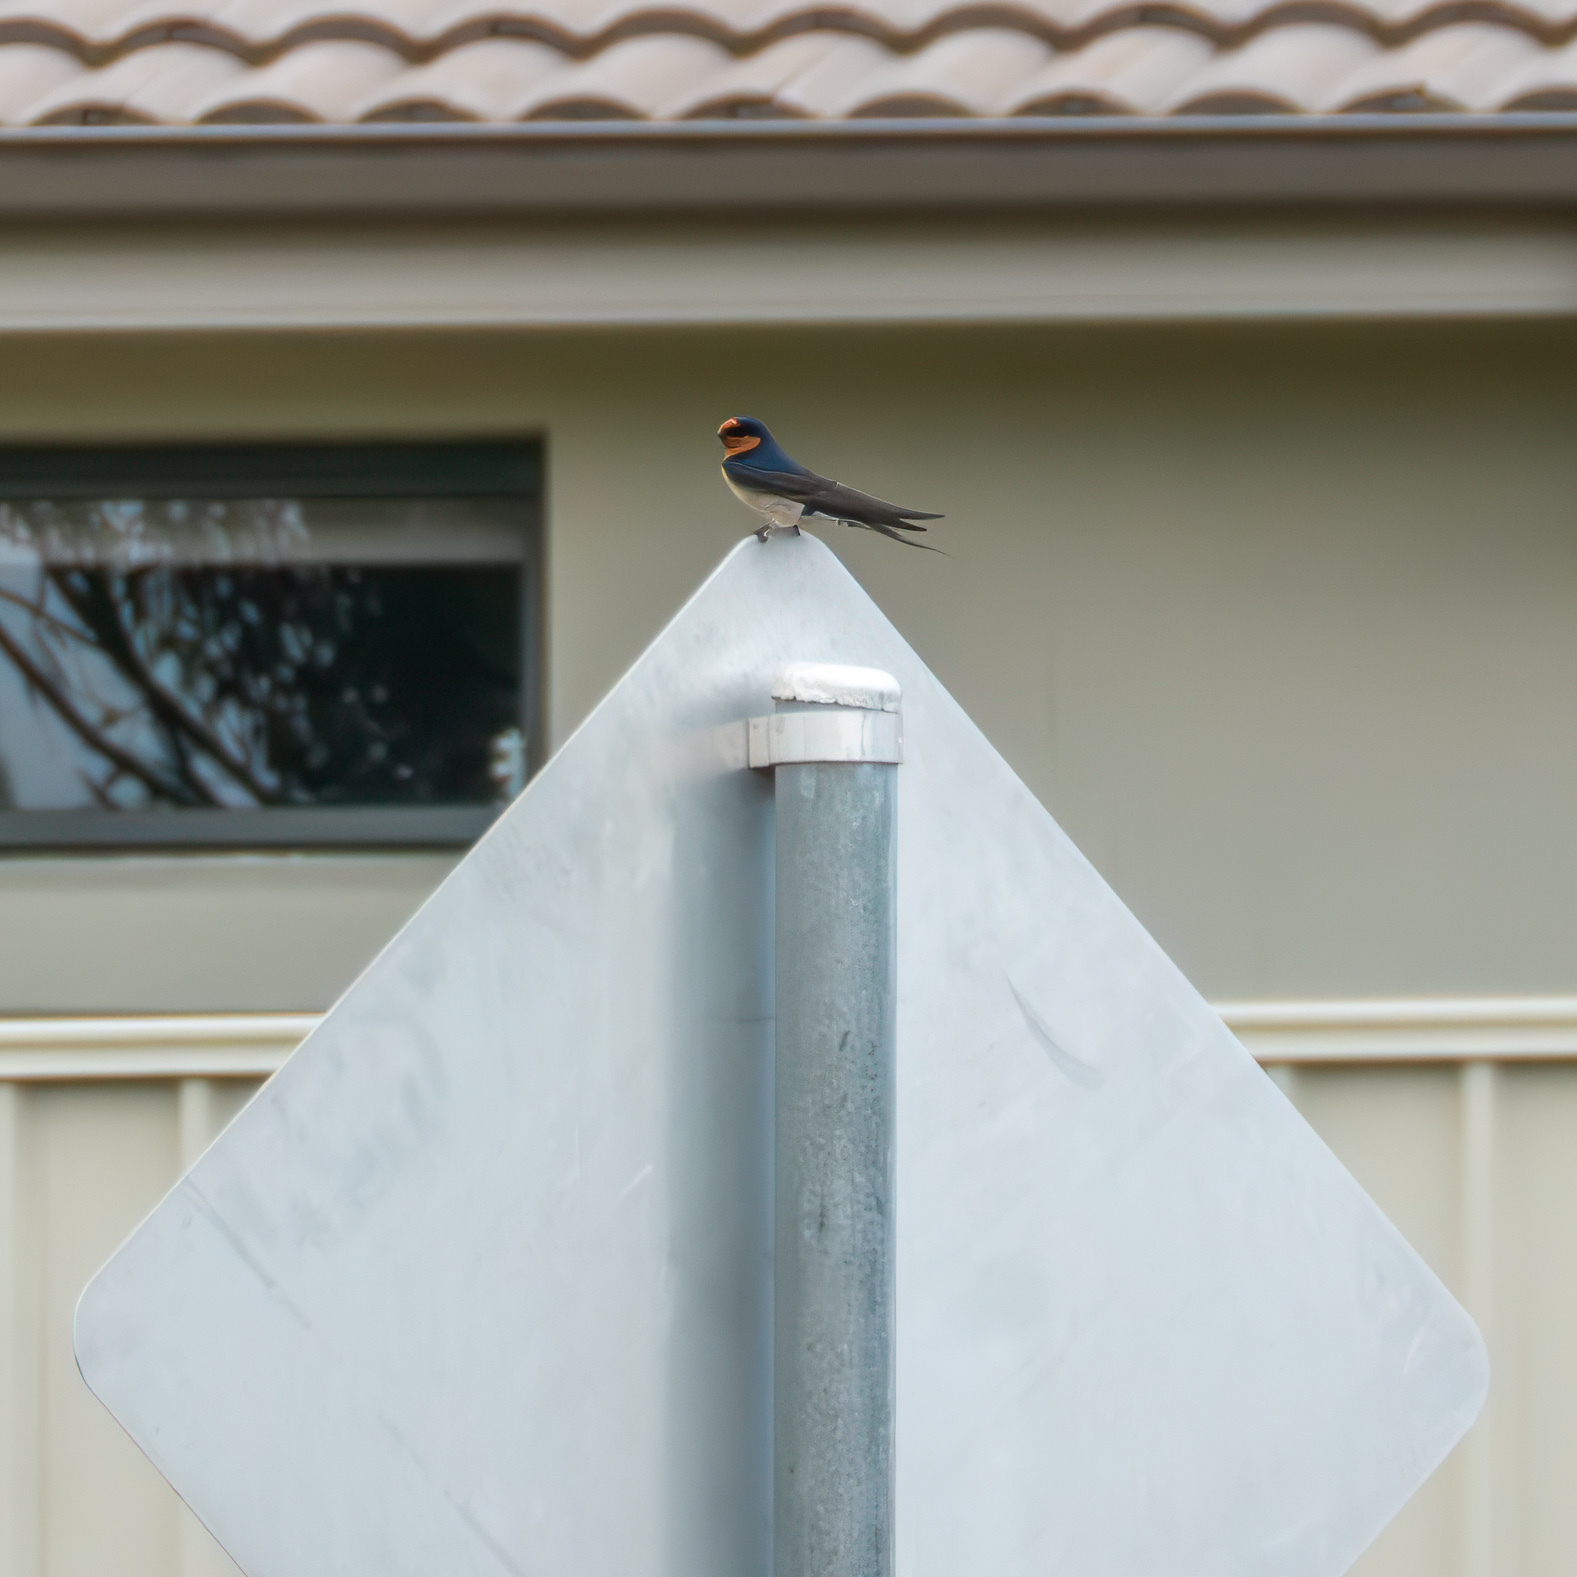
(782, 492)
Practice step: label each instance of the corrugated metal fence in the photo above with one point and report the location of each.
(1459, 1117)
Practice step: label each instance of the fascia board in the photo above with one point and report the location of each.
(735, 273)
(787, 167)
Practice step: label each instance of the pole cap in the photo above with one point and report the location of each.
(838, 684)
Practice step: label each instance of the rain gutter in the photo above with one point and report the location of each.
(592, 169)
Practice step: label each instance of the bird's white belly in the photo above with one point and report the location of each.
(772, 507)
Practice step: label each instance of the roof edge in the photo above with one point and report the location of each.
(591, 168)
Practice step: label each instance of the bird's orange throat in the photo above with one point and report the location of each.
(738, 443)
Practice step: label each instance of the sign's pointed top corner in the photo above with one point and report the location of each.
(778, 552)
(784, 568)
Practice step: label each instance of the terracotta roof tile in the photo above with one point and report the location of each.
(973, 73)
(824, 82)
(149, 87)
(28, 74)
(1546, 81)
(317, 82)
(487, 81)
(1137, 71)
(1458, 68)
(634, 80)
(1288, 68)
(185, 61)
(769, 82)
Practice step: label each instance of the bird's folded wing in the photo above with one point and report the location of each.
(831, 498)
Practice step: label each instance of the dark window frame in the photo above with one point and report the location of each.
(384, 469)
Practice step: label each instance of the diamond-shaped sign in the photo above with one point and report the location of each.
(480, 1283)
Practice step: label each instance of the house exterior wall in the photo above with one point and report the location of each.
(1276, 619)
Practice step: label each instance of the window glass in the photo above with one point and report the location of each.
(262, 652)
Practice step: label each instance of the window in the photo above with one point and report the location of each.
(265, 645)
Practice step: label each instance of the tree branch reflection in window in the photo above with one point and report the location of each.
(250, 653)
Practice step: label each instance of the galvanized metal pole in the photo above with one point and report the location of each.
(835, 742)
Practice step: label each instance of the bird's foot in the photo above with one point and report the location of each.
(761, 535)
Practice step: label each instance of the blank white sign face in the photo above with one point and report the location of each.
(479, 1284)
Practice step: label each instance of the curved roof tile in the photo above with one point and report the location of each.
(486, 81)
(971, 73)
(146, 88)
(826, 84)
(763, 83)
(318, 82)
(1288, 69)
(1135, 72)
(1546, 81)
(185, 61)
(28, 74)
(1459, 68)
(633, 80)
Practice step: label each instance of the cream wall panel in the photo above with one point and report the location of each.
(203, 1108)
(103, 1157)
(84, 1163)
(1398, 1131)
(1536, 1323)
(21, 1339)
(194, 932)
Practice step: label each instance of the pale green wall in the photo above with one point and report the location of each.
(1280, 621)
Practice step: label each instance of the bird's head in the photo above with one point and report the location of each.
(740, 433)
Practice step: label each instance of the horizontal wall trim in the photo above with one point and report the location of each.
(786, 166)
(254, 1045)
(212, 1046)
(1424, 1029)
(287, 827)
(735, 273)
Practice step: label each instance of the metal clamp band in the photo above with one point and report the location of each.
(829, 733)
